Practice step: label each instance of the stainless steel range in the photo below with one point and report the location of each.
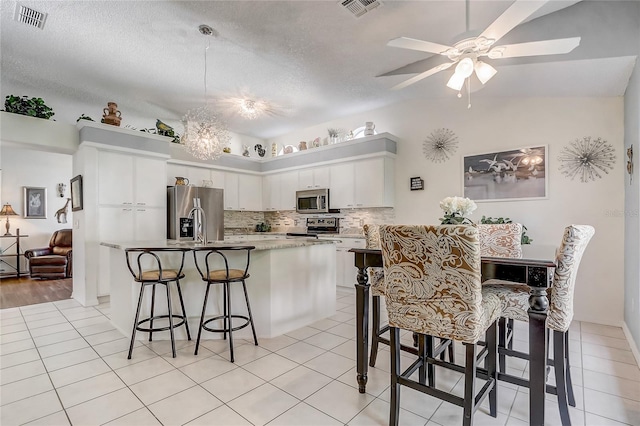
(318, 226)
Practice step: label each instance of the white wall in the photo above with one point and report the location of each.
(26, 167)
(632, 212)
(507, 123)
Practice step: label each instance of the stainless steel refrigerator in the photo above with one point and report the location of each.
(180, 201)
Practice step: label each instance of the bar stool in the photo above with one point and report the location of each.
(152, 277)
(225, 277)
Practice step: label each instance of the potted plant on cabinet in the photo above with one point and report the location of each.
(33, 107)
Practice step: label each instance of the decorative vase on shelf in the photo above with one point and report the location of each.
(111, 114)
(369, 128)
(302, 146)
(274, 149)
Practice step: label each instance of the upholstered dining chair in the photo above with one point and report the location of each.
(514, 301)
(501, 240)
(432, 287)
(376, 281)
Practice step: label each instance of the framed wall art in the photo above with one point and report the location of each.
(76, 193)
(35, 203)
(518, 174)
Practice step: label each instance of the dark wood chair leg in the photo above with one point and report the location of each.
(431, 369)
(502, 343)
(135, 321)
(394, 340)
(561, 383)
(567, 365)
(492, 347)
(375, 335)
(452, 352)
(204, 308)
(470, 367)
(422, 354)
(225, 312)
(510, 334)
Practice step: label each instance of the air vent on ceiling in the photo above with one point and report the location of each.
(360, 7)
(29, 16)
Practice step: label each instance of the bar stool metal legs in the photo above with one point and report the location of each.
(154, 277)
(225, 277)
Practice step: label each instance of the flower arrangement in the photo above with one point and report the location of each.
(456, 209)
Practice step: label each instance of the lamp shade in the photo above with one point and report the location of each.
(484, 71)
(456, 81)
(7, 210)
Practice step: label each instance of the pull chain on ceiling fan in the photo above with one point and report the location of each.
(465, 54)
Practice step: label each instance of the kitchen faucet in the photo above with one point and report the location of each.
(199, 229)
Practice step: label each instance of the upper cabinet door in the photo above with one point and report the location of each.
(231, 191)
(313, 178)
(341, 193)
(288, 187)
(250, 192)
(115, 177)
(150, 188)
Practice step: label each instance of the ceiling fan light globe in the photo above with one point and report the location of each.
(465, 67)
(484, 71)
(456, 81)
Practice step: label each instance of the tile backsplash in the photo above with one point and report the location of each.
(351, 220)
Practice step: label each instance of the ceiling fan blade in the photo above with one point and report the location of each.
(421, 76)
(514, 15)
(535, 48)
(421, 45)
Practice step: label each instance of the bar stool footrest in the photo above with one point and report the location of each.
(175, 324)
(223, 330)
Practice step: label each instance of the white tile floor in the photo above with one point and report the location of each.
(64, 364)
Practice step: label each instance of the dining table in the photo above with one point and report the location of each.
(534, 267)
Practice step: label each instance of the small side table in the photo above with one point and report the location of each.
(15, 245)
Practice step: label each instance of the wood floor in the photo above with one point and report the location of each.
(25, 291)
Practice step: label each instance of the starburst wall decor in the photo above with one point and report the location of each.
(586, 158)
(440, 145)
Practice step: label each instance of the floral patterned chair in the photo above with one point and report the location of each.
(376, 281)
(500, 240)
(515, 303)
(432, 287)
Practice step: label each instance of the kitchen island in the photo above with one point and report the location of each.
(292, 285)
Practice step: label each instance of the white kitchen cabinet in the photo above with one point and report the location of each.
(250, 192)
(314, 178)
(132, 197)
(242, 192)
(362, 184)
(231, 191)
(115, 178)
(346, 272)
(279, 191)
(341, 193)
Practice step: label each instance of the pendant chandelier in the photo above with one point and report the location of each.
(205, 134)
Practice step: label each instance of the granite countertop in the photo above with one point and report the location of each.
(259, 245)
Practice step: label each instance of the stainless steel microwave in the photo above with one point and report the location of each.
(312, 201)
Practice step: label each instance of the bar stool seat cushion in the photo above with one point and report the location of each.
(154, 275)
(221, 274)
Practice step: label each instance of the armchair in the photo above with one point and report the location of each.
(54, 261)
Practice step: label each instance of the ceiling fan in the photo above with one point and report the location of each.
(466, 54)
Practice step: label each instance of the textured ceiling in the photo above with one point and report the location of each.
(312, 59)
